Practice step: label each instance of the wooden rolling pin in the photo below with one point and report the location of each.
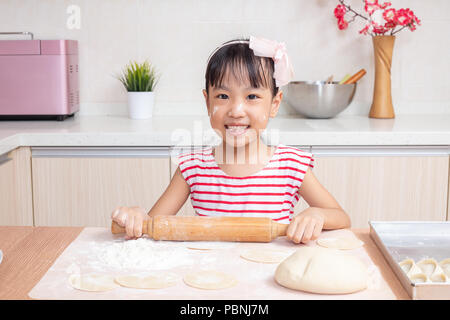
(355, 77)
(241, 229)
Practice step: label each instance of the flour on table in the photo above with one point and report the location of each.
(142, 253)
(73, 268)
(374, 280)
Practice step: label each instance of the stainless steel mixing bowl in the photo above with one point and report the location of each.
(318, 99)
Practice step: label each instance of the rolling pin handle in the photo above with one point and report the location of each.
(116, 228)
(278, 229)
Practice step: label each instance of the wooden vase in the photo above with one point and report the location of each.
(382, 107)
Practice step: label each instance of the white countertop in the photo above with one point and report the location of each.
(351, 130)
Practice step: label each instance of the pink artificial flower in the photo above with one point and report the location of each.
(365, 30)
(371, 6)
(390, 25)
(413, 20)
(413, 17)
(342, 24)
(402, 17)
(389, 15)
(385, 5)
(380, 20)
(339, 11)
(378, 29)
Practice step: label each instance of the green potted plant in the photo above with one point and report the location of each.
(139, 79)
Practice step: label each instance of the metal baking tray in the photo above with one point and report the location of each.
(399, 240)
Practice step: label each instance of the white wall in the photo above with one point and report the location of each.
(177, 36)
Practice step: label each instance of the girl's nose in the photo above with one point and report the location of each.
(237, 110)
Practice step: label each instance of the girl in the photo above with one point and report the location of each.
(242, 91)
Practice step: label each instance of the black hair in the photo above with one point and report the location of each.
(232, 58)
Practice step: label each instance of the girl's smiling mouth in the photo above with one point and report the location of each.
(236, 130)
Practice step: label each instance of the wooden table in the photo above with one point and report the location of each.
(28, 252)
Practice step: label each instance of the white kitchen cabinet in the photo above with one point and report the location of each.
(16, 206)
(389, 183)
(82, 186)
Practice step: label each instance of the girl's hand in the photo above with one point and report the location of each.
(306, 226)
(132, 219)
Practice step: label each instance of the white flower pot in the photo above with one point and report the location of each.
(140, 104)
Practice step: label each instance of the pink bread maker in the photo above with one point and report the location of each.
(38, 78)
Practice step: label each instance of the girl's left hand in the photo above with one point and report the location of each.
(306, 226)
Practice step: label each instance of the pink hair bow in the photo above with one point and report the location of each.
(277, 51)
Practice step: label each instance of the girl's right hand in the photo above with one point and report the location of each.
(132, 219)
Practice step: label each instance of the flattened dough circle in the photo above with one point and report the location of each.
(210, 280)
(265, 255)
(209, 245)
(92, 282)
(340, 243)
(157, 280)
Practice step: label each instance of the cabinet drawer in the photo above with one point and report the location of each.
(16, 207)
(386, 187)
(82, 186)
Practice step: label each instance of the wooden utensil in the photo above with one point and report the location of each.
(345, 78)
(241, 229)
(355, 77)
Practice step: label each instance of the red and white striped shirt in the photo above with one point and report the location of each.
(271, 192)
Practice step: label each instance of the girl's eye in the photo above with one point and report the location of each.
(222, 96)
(252, 96)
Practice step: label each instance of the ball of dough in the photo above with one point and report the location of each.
(322, 270)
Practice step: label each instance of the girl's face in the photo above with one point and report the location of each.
(238, 112)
